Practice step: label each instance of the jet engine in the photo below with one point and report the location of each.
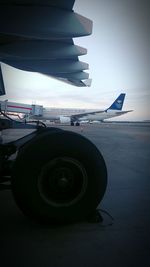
(65, 119)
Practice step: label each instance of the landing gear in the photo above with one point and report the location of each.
(59, 176)
(77, 123)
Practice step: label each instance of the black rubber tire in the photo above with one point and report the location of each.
(45, 150)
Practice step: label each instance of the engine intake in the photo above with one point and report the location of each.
(65, 119)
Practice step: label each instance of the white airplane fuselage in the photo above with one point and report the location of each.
(58, 114)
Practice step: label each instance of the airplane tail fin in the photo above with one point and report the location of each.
(118, 103)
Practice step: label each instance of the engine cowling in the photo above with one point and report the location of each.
(65, 119)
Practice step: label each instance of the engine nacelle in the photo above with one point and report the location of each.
(65, 119)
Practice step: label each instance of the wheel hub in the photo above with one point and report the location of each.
(62, 181)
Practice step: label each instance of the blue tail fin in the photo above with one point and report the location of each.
(118, 103)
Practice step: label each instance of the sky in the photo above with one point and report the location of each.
(118, 57)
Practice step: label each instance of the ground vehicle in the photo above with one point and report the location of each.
(58, 176)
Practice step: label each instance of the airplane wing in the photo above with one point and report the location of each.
(77, 117)
(37, 36)
(122, 112)
(82, 115)
(56, 3)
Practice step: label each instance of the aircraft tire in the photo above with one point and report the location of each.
(59, 177)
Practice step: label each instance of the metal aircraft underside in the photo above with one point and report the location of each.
(37, 36)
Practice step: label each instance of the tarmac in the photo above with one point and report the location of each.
(121, 240)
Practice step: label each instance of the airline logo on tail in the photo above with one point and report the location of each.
(118, 103)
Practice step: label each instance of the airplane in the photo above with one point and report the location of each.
(100, 115)
(76, 116)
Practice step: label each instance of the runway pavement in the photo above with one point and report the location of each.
(122, 242)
